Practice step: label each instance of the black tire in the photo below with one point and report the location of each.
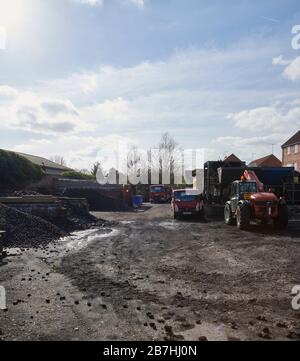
(283, 217)
(243, 216)
(229, 220)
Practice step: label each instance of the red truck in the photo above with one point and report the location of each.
(158, 194)
(187, 202)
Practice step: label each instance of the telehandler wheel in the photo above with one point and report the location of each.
(243, 216)
(282, 221)
(229, 220)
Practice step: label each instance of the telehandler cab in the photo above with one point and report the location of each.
(249, 202)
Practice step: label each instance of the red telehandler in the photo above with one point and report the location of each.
(249, 202)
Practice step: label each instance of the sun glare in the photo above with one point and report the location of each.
(12, 13)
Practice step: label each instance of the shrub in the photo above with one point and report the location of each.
(77, 175)
(16, 171)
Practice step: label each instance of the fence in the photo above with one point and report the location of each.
(291, 191)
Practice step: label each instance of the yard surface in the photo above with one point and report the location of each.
(148, 277)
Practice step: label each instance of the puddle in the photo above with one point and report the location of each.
(172, 225)
(81, 239)
(13, 251)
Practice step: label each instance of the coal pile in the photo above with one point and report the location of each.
(75, 222)
(76, 216)
(24, 230)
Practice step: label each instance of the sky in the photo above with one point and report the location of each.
(80, 75)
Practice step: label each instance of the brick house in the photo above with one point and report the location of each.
(268, 161)
(291, 152)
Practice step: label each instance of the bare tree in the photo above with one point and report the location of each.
(166, 160)
(167, 142)
(137, 165)
(59, 159)
(96, 166)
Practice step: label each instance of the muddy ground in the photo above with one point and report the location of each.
(148, 277)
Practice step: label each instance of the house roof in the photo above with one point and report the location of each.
(267, 161)
(295, 139)
(232, 159)
(43, 162)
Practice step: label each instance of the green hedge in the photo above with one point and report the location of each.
(77, 175)
(16, 171)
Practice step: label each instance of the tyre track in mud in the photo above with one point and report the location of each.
(153, 278)
(169, 268)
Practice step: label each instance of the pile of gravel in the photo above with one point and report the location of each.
(24, 230)
(75, 222)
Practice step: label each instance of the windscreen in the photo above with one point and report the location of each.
(185, 197)
(248, 187)
(157, 189)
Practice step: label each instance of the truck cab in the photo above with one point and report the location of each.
(158, 194)
(187, 202)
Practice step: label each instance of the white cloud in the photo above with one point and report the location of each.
(2, 38)
(208, 70)
(90, 2)
(279, 60)
(250, 148)
(7, 92)
(34, 112)
(189, 94)
(264, 126)
(139, 3)
(80, 152)
(269, 118)
(292, 71)
(292, 67)
(263, 129)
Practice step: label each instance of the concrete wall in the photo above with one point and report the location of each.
(43, 210)
(108, 197)
(47, 207)
(63, 183)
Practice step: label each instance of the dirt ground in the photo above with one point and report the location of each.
(146, 276)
